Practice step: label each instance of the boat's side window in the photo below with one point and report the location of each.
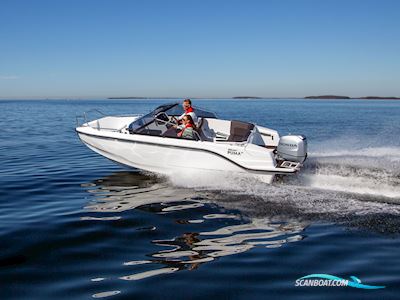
(148, 131)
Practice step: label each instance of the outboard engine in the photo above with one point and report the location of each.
(292, 148)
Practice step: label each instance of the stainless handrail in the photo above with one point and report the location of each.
(84, 116)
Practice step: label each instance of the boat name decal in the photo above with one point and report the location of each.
(234, 151)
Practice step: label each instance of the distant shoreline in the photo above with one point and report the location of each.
(322, 97)
(347, 97)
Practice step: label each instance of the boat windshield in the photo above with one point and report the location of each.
(149, 118)
(144, 125)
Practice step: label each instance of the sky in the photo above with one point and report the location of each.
(266, 48)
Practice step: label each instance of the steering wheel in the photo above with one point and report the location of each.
(161, 118)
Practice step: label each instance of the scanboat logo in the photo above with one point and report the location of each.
(330, 280)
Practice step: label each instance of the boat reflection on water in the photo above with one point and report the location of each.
(128, 190)
(195, 248)
(219, 233)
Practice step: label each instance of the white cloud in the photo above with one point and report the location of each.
(8, 77)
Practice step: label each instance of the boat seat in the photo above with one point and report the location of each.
(240, 131)
(204, 131)
(200, 123)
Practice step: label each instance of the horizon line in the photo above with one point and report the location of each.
(216, 98)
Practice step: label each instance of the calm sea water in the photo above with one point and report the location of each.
(74, 225)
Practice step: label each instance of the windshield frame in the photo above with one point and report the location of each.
(149, 118)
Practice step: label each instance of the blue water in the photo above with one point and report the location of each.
(74, 225)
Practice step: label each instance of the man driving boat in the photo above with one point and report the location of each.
(188, 110)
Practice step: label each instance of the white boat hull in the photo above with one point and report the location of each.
(168, 158)
(155, 152)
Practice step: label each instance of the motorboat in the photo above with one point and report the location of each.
(150, 142)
